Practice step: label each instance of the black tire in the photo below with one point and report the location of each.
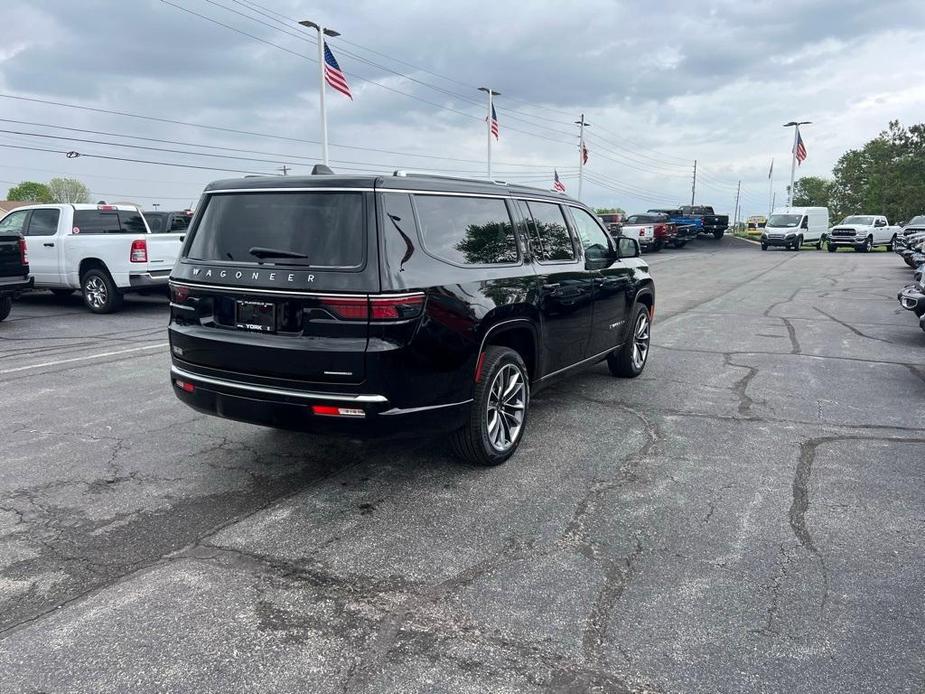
(627, 362)
(719, 234)
(764, 246)
(892, 243)
(6, 305)
(99, 291)
(62, 293)
(831, 247)
(657, 246)
(866, 246)
(680, 244)
(475, 442)
(797, 243)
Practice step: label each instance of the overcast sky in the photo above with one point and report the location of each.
(662, 84)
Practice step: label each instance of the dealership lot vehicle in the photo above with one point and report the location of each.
(167, 221)
(14, 265)
(104, 251)
(379, 305)
(794, 227)
(862, 233)
(653, 231)
(708, 222)
(687, 227)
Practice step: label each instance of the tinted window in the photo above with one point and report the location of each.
(180, 222)
(328, 228)
(644, 218)
(44, 222)
(468, 231)
(594, 239)
(156, 221)
(13, 222)
(555, 243)
(132, 222)
(96, 222)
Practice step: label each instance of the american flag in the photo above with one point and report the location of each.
(333, 75)
(584, 153)
(557, 184)
(799, 149)
(495, 128)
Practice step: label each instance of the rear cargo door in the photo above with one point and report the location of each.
(277, 285)
(164, 245)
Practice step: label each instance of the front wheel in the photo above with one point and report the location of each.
(764, 246)
(892, 244)
(498, 415)
(832, 247)
(680, 244)
(657, 246)
(718, 234)
(6, 305)
(100, 292)
(630, 359)
(866, 246)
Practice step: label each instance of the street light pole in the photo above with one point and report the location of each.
(491, 95)
(322, 32)
(582, 124)
(793, 158)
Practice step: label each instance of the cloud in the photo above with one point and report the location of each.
(662, 83)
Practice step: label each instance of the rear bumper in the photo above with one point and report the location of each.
(912, 299)
(284, 408)
(153, 278)
(15, 285)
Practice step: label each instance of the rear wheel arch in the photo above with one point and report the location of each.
(519, 334)
(88, 264)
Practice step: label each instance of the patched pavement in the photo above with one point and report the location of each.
(745, 516)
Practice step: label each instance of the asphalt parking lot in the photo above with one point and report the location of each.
(747, 516)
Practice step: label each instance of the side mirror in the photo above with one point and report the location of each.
(627, 247)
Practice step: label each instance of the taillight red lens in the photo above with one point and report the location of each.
(377, 308)
(332, 411)
(185, 386)
(23, 253)
(139, 252)
(178, 293)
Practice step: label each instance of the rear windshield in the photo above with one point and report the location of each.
(314, 229)
(109, 222)
(156, 221)
(784, 220)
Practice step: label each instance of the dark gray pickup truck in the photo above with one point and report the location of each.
(14, 266)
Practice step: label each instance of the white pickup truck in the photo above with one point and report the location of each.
(105, 251)
(862, 232)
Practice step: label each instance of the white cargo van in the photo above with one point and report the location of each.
(792, 227)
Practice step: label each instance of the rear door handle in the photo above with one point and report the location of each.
(49, 245)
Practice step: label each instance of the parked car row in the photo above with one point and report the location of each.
(795, 227)
(104, 251)
(671, 227)
(910, 246)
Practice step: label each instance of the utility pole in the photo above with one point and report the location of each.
(322, 32)
(491, 95)
(155, 205)
(773, 200)
(771, 188)
(582, 124)
(285, 169)
(735, 219)
(694, 184)
(793, 158)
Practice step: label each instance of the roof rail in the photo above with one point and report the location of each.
(430, 174)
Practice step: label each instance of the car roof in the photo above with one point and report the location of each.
(74, 206)
(406, 182)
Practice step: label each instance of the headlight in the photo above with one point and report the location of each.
(790, 235)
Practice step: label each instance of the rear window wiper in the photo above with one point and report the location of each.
(262, 253)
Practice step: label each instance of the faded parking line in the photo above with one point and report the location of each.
(159, 345)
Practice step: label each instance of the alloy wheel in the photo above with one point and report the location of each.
(507, 403)
(641, 341)
(96, 293)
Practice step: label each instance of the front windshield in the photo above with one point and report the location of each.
(858, 219)
(784, 220)
(917, 221)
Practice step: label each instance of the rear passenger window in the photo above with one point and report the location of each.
(44, 222)
(132, 222)
(96, 222)
(555, 243)
(467, 231)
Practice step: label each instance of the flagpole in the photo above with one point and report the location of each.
(581, 151)
(322, 32)
(793, 155)
(491, 95)
(771, 188)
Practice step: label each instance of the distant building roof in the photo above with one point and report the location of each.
(7, 205)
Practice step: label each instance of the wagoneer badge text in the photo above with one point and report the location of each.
(272, 276)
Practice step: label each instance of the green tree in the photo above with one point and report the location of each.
(68, 190)
(610, 210)
(812, 191)
(30, 191)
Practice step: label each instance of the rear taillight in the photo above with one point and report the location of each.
(178, 293)
(185, 386)
(332, 411)
(377, 308)
(139, 252)
(23, 253)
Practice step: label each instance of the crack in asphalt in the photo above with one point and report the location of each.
(740, 388)
(792, 333)
(850, 327)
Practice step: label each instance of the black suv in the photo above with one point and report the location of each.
(377, 305)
